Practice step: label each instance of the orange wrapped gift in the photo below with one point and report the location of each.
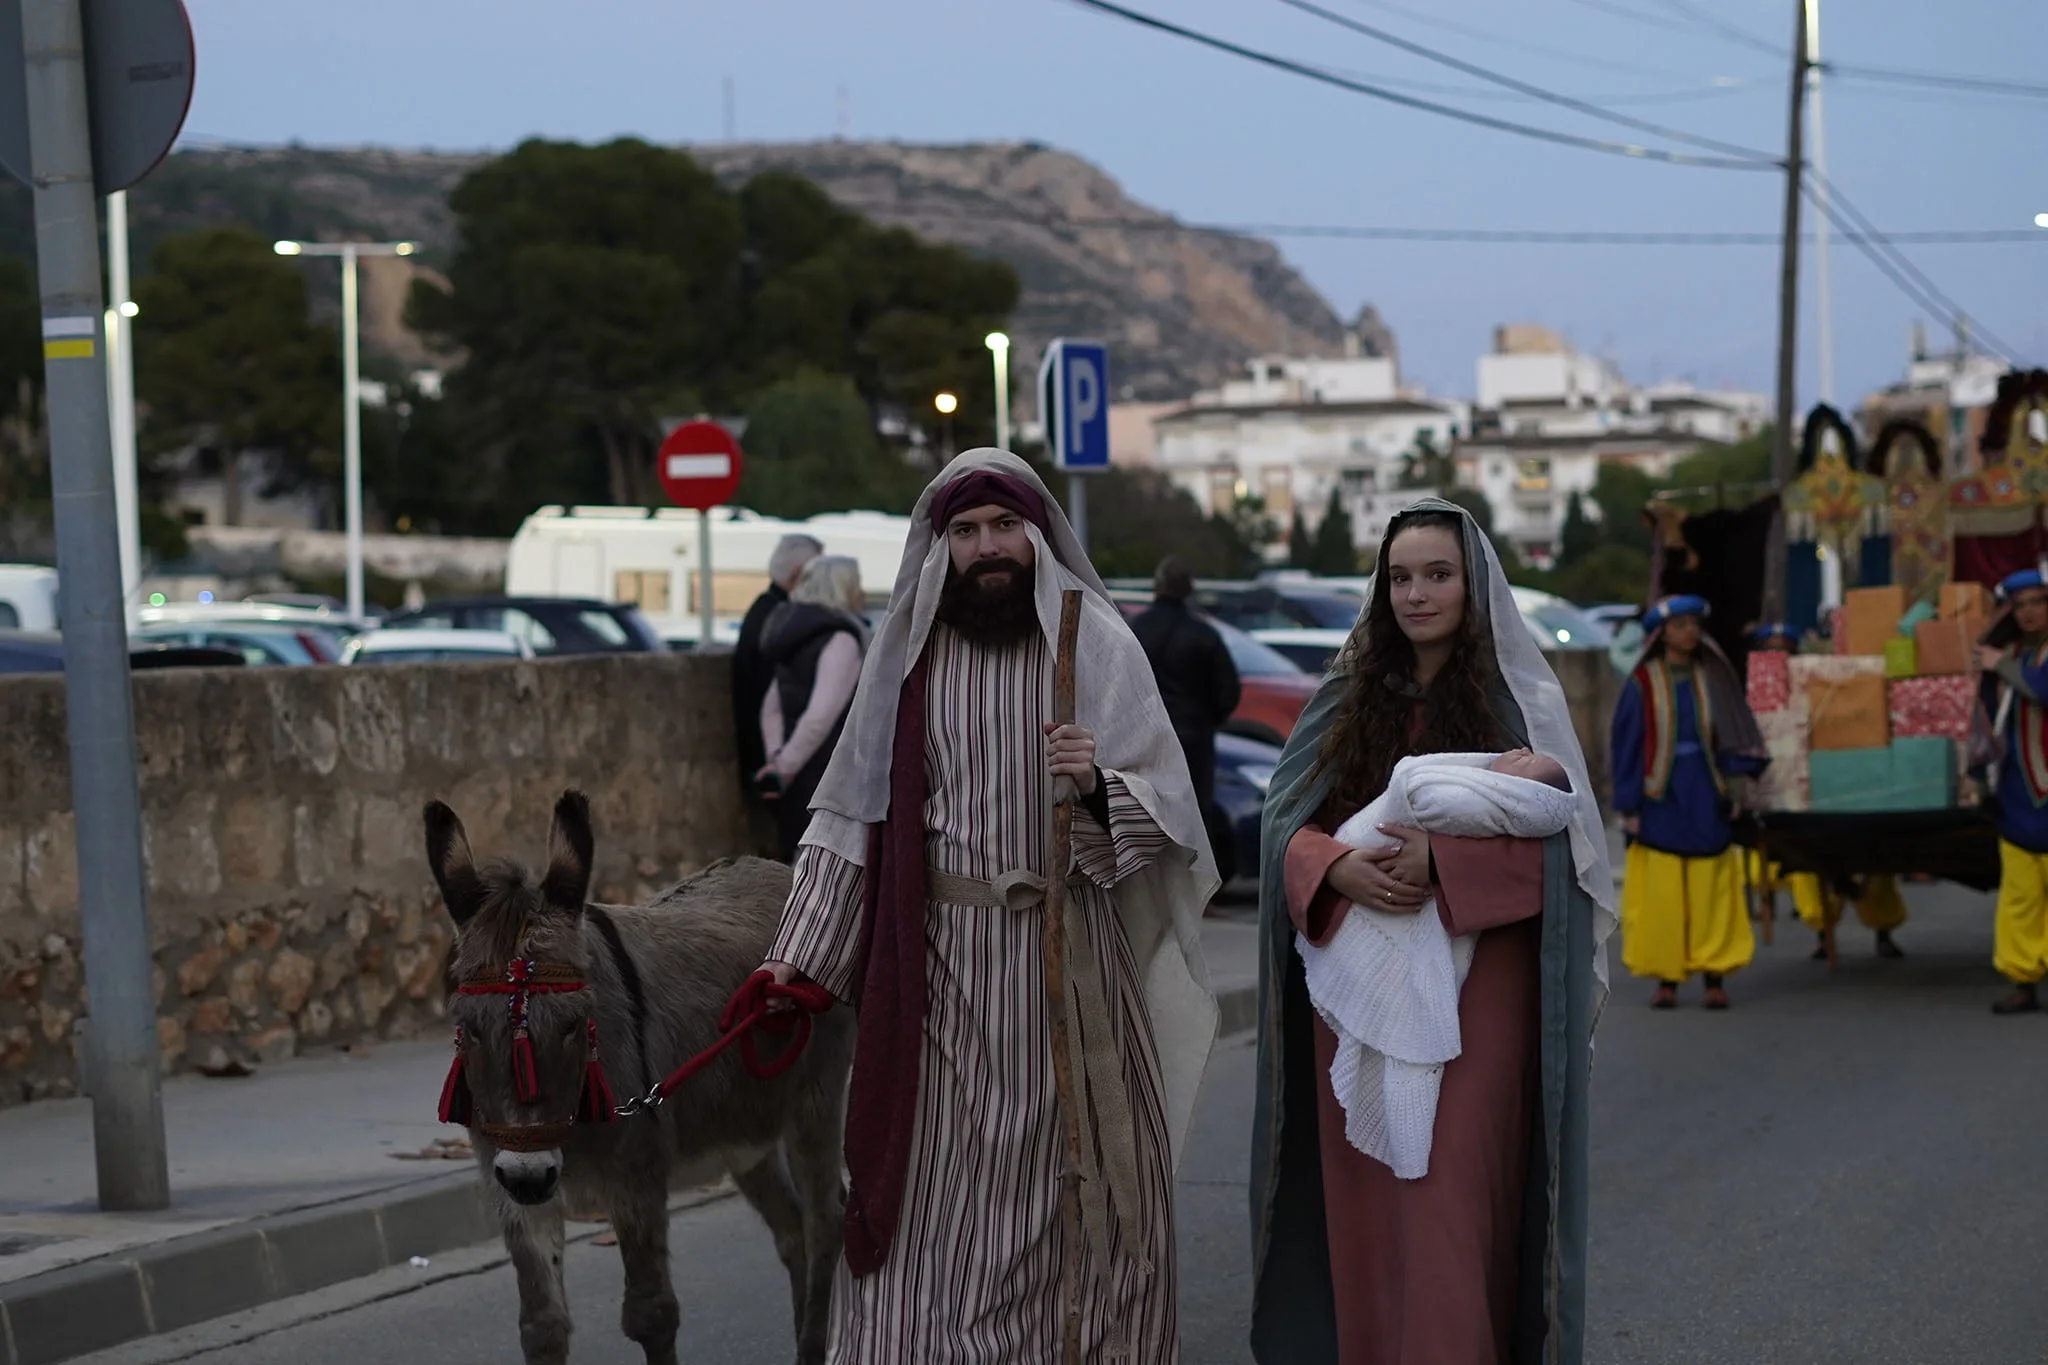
(1948, 646)
(1849, 713)
(1965, 599)
(1871, 616)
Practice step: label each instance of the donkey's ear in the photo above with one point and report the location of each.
(571, 848)
(453, 864)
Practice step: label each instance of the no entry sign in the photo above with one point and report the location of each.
(699, 465)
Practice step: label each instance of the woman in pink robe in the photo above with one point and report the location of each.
(1458, 1267)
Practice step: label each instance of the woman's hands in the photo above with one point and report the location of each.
(1367, 879)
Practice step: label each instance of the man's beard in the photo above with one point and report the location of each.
(993, 615)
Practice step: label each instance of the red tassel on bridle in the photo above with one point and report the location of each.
(525, 1075)
(456, 1104)
(596, 1104)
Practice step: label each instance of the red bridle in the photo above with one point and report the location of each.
(522, 979)
(749, 1009)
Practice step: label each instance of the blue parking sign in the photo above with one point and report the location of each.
(1073, 391)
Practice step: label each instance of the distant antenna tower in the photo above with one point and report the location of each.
(732, 113)
(845, 114)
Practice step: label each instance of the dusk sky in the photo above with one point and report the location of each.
(1211, 138)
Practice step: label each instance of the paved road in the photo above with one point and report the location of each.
(1846, 1168)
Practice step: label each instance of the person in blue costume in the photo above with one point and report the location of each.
(1685, 749)
(2014, 657)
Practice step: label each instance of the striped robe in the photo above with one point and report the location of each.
(974, 1273)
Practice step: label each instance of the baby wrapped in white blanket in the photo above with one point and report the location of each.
(1387, 984)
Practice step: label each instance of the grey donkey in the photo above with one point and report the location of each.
(639, 990)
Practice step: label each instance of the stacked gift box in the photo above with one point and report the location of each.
(1881, 723)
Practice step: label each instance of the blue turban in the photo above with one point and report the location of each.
(2014, 584)
(1670, 607)
(1773, 630)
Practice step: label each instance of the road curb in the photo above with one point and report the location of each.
(102, 1303)
(108, 1302)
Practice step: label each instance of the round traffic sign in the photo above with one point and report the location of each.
(699, 465)
(138, 68)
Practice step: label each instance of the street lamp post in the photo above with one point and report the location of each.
(999, 347)
(351, 392)
(947, 404)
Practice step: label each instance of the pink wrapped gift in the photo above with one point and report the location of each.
(1838, 631)
(1770, 680)
(1932, 708)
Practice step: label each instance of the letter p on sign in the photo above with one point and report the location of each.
(1074, 406)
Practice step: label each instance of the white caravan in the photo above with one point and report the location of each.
(28, 597)
(649, 559)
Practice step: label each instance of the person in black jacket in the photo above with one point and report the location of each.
(751, 674)
(1197, 678)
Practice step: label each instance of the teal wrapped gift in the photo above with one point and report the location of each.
(1848, 780)
(1923, 774)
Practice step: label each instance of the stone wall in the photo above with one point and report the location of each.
(290, 901)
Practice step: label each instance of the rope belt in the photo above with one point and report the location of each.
(1092, 1051)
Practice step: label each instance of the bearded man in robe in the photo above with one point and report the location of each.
(919, 895)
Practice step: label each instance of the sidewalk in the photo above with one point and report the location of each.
(282, 1183)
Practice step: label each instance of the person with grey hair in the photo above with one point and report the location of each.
(813, 644)
(750, 674)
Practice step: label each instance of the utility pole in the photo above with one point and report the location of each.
(1823, 284)
(120, 1061)
(1782, 449)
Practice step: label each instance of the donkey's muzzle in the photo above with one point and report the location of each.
(528, 1177)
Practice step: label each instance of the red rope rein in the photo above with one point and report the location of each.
(749, 1010)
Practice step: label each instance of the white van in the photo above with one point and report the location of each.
(648, 559)
(28, 597)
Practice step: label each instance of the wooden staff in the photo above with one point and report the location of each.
(1054, 950)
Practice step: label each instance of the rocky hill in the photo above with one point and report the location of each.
(1180, 307)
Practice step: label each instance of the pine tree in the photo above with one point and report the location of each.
(1580, 537)
(1334, 552)
(1301, 551)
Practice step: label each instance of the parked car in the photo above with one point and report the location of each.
(434, 646)
(42, 651)
(257, 643)
(1273, 690)
(1264, 606)
(28, 597)
(322, 630)
(548, 625)
(1244, 771)
(1614, 615)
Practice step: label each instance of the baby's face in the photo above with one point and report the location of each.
(1527, 763)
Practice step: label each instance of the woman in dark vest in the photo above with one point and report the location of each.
(813, 643)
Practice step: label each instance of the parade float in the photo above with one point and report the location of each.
(1874, 718)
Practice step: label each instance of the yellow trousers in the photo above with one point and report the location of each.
(1683, 915)
(2020, 930)
(1818, 905)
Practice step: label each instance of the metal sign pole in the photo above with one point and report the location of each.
(121, 386)
(704, 593)
(352, 432)
(120, 1060)
(1077, 507)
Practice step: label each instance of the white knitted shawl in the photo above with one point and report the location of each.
(1388, 984)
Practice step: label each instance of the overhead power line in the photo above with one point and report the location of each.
(992, 212)
(1703, 18)
(1524, 87)
(1886, 256)
(1497, 39)
(1326, 77)
(1935, 80)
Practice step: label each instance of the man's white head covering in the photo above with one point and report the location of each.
(1117, 699)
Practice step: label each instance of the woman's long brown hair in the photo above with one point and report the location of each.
(1370, 731)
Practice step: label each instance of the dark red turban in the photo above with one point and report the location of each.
(988, 488)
